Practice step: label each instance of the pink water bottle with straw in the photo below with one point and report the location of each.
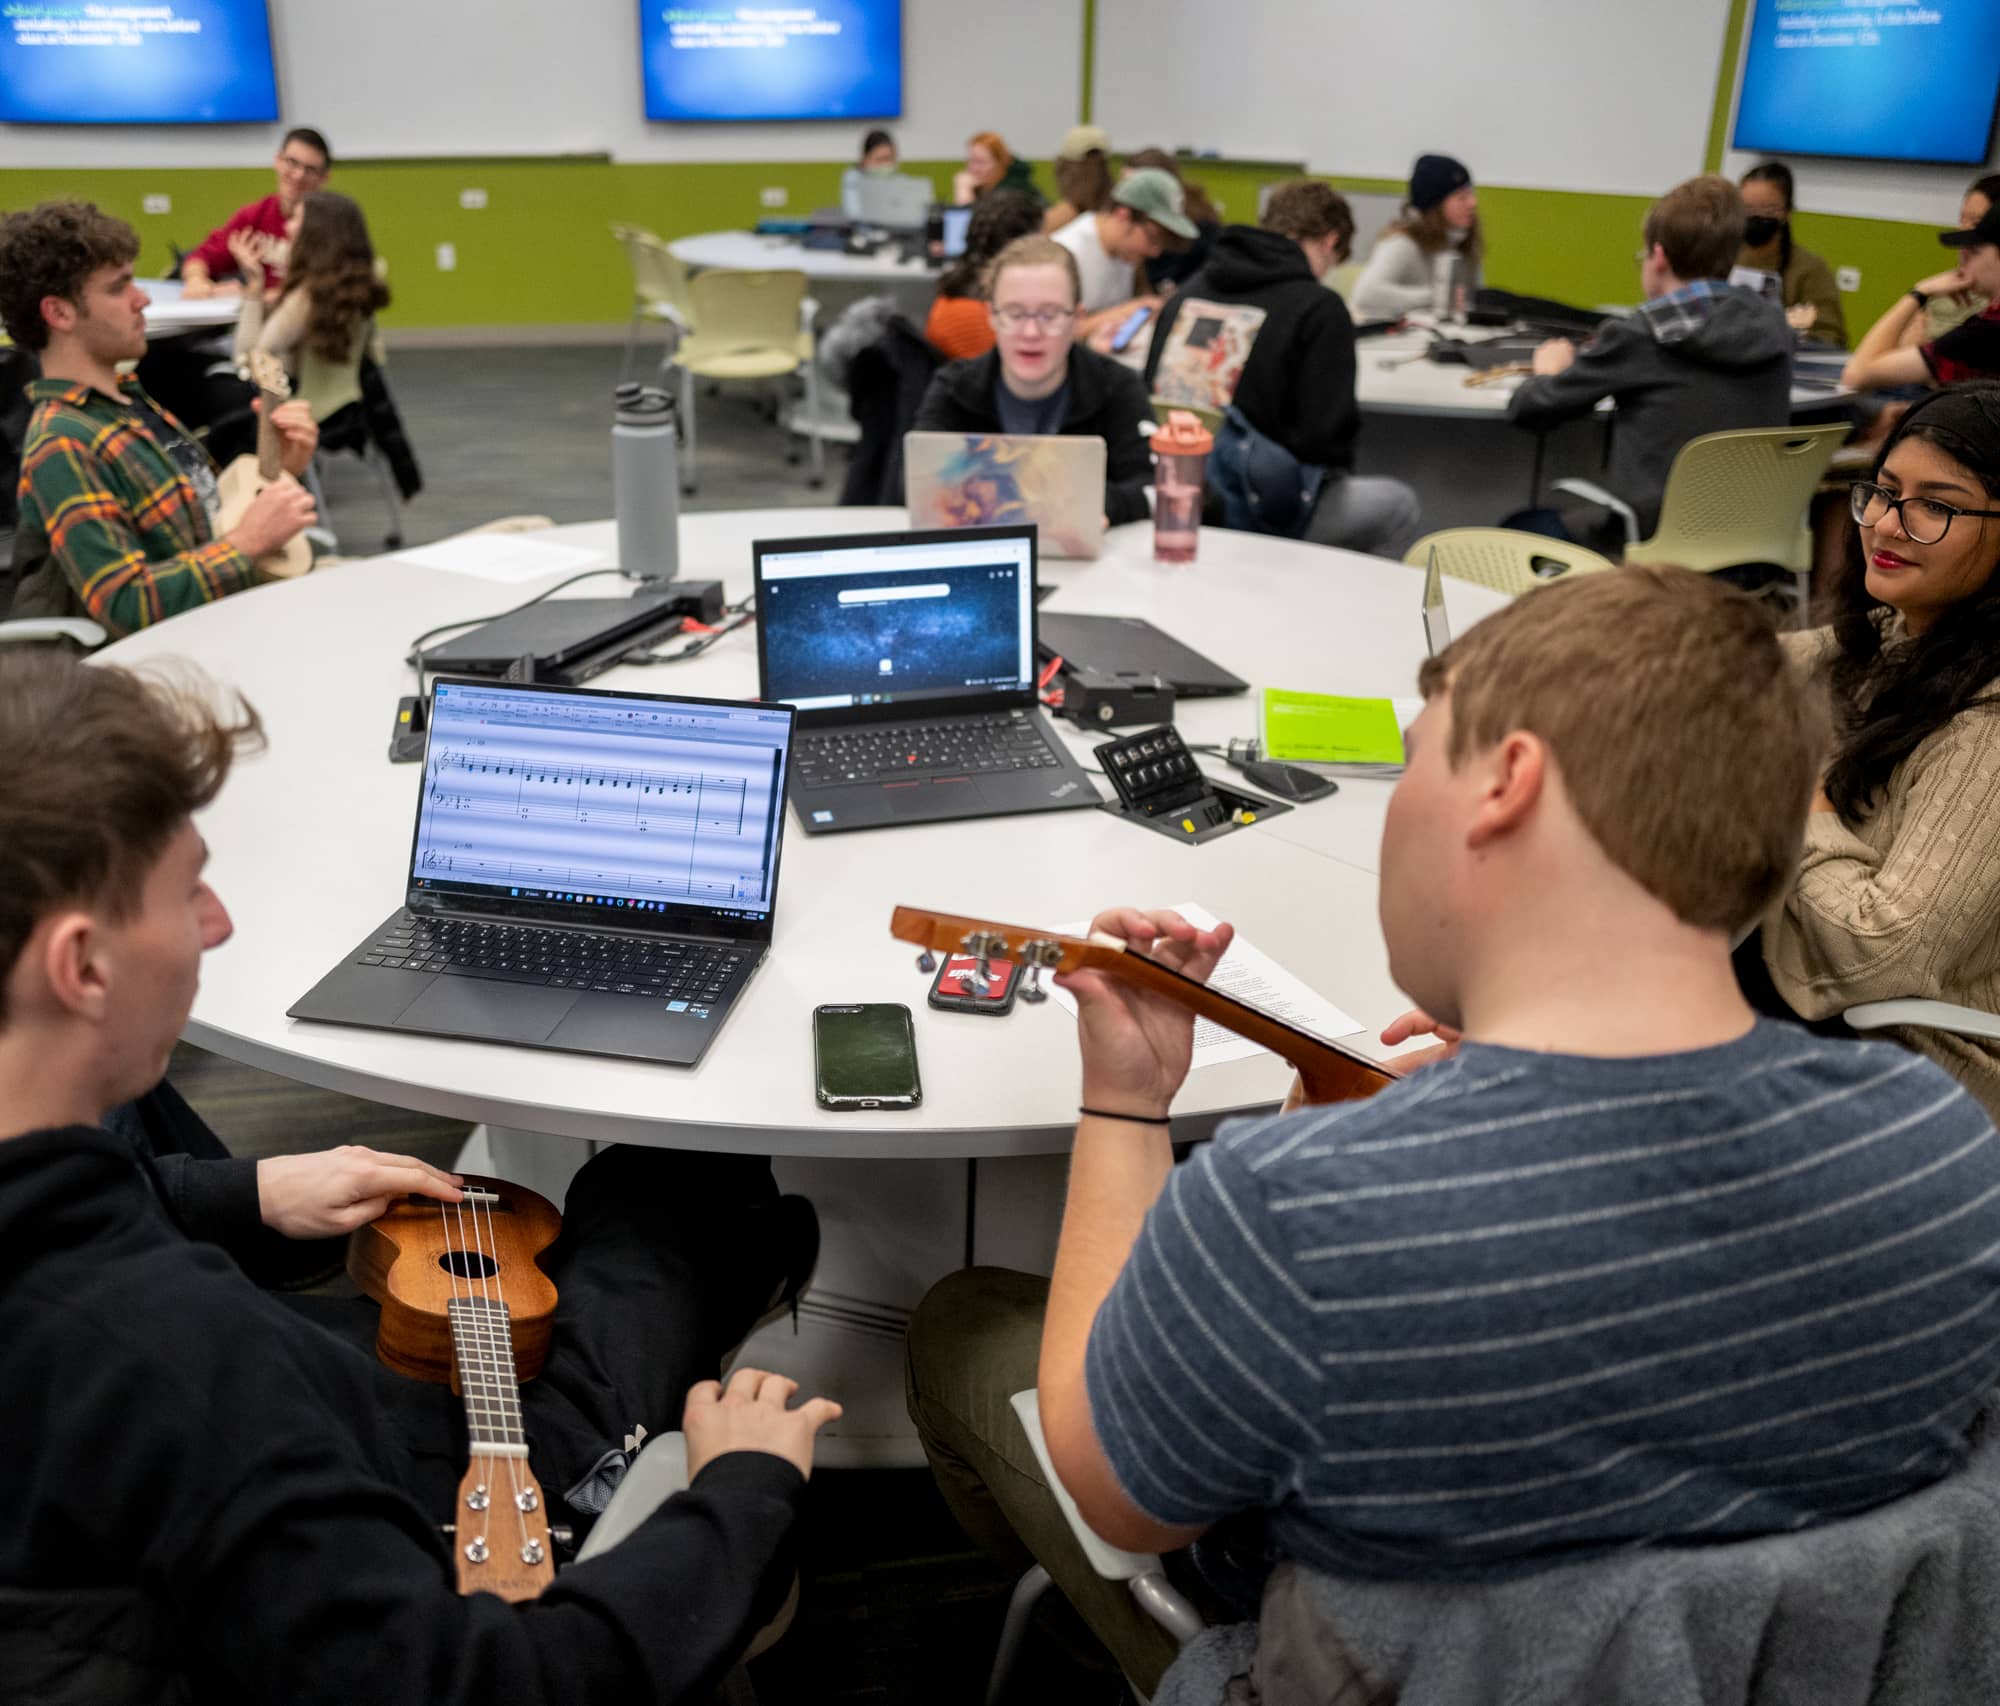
(1180, 463)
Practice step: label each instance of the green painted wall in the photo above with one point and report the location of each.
(539, 252)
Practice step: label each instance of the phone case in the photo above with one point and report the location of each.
(950, 1001)
(842, 1103)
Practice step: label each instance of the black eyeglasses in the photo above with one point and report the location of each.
(1925, 520)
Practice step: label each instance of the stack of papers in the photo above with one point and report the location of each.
(1345, 737)
(1252, 976)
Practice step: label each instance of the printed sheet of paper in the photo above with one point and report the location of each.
(1250, 975)
(508, 557)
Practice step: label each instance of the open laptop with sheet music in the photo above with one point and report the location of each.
(589, 871)
(911, 660)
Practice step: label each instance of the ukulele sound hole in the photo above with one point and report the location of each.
(468, 1264)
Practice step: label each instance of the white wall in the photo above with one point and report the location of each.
(538, 77)
(1606, 95)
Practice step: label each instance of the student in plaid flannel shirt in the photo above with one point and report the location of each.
(117, 502)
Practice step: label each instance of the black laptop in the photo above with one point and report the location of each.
(911, 660)
(590, 871)
(570, 639)
(1130, 646)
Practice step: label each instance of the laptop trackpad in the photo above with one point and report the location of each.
(935, 799)
(496, 1012)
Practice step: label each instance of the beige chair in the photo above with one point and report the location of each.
(1500, 558)
(1342, 280)
(659, 291)
(754, 325)
(1733, 498)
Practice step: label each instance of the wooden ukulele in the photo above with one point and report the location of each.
(465, 1304)
(244, 478)
(1329, 1072)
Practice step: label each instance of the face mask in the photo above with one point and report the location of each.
(1760, 229)
(879, 171)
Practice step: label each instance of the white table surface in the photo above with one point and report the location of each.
(310, 842)
(745, 249)
(170, 313)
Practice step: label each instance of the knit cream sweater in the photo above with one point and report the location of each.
(1906, 902)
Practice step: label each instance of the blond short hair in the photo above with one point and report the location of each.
(1688, 744)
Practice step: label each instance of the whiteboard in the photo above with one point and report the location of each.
(428, 78)
(1601, 95)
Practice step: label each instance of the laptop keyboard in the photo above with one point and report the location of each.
(951, 746)
(659, 969)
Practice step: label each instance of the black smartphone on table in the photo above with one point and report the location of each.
(865, 1056)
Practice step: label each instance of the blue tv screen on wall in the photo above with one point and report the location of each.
(1902, 81)
(136, 62)
(833, 59)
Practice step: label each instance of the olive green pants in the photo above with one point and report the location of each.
(973, 1343)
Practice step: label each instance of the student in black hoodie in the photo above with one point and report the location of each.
(1297, 385)
(212, 1496)
(1038, 379)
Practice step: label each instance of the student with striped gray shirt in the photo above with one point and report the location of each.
(1627, 1266)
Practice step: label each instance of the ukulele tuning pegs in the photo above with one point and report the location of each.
(526, 1499)
(926, 962)
(1032, 990)
(476, 1551)
(532, 1553)
(477, 1499)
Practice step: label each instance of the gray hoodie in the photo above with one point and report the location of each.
(1704, 360)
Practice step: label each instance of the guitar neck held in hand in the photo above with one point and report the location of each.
(1329, 1072)
(240, 483)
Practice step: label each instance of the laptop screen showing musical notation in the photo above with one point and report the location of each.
(543, 800)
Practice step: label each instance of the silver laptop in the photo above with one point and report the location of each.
(897, 202)
(1004, 479)
(589, 871)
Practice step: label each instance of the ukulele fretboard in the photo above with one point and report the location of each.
(482, 1342)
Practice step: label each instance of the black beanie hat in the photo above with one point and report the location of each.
(1434, 177)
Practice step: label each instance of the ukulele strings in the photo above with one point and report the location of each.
(506, 1342)
(486, 1347)
(445, 1212)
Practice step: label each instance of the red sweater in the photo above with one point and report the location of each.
(265, 216)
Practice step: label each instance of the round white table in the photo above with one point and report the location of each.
(746, 249)
(171, 313)
(310, 847)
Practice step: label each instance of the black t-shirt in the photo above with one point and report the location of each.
(188, 458)
(1967, 351)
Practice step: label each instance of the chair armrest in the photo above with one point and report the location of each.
(1927, 1015)
(81, 629)
(1591, 492)
(1111, 1562)
(808, 313)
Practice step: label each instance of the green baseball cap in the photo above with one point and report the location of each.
(1157, 195)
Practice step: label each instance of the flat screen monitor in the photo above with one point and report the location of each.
(1872, 82)
(828, 59)
(160, 62)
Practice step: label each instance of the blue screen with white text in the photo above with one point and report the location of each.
(144, 62)
(829, 59)
(1913, 81)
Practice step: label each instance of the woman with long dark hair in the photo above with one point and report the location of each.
(331, 295)
(1811, 299)
(1898, 893)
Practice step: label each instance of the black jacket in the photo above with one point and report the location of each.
(1104, 398)
(1674, 380)
(1298, 385)
(206, 1496)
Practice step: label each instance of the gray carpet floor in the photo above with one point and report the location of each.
(897, 1608)
(512, 431)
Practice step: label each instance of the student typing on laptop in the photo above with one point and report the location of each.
(1039, 379)
(216, 1494)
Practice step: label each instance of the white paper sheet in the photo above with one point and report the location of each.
(509, 557)
(1250, 975)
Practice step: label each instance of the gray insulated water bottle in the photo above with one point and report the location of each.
(646, 483)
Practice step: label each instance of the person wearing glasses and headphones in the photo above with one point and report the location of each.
(1038, 379)
(1898, 891)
